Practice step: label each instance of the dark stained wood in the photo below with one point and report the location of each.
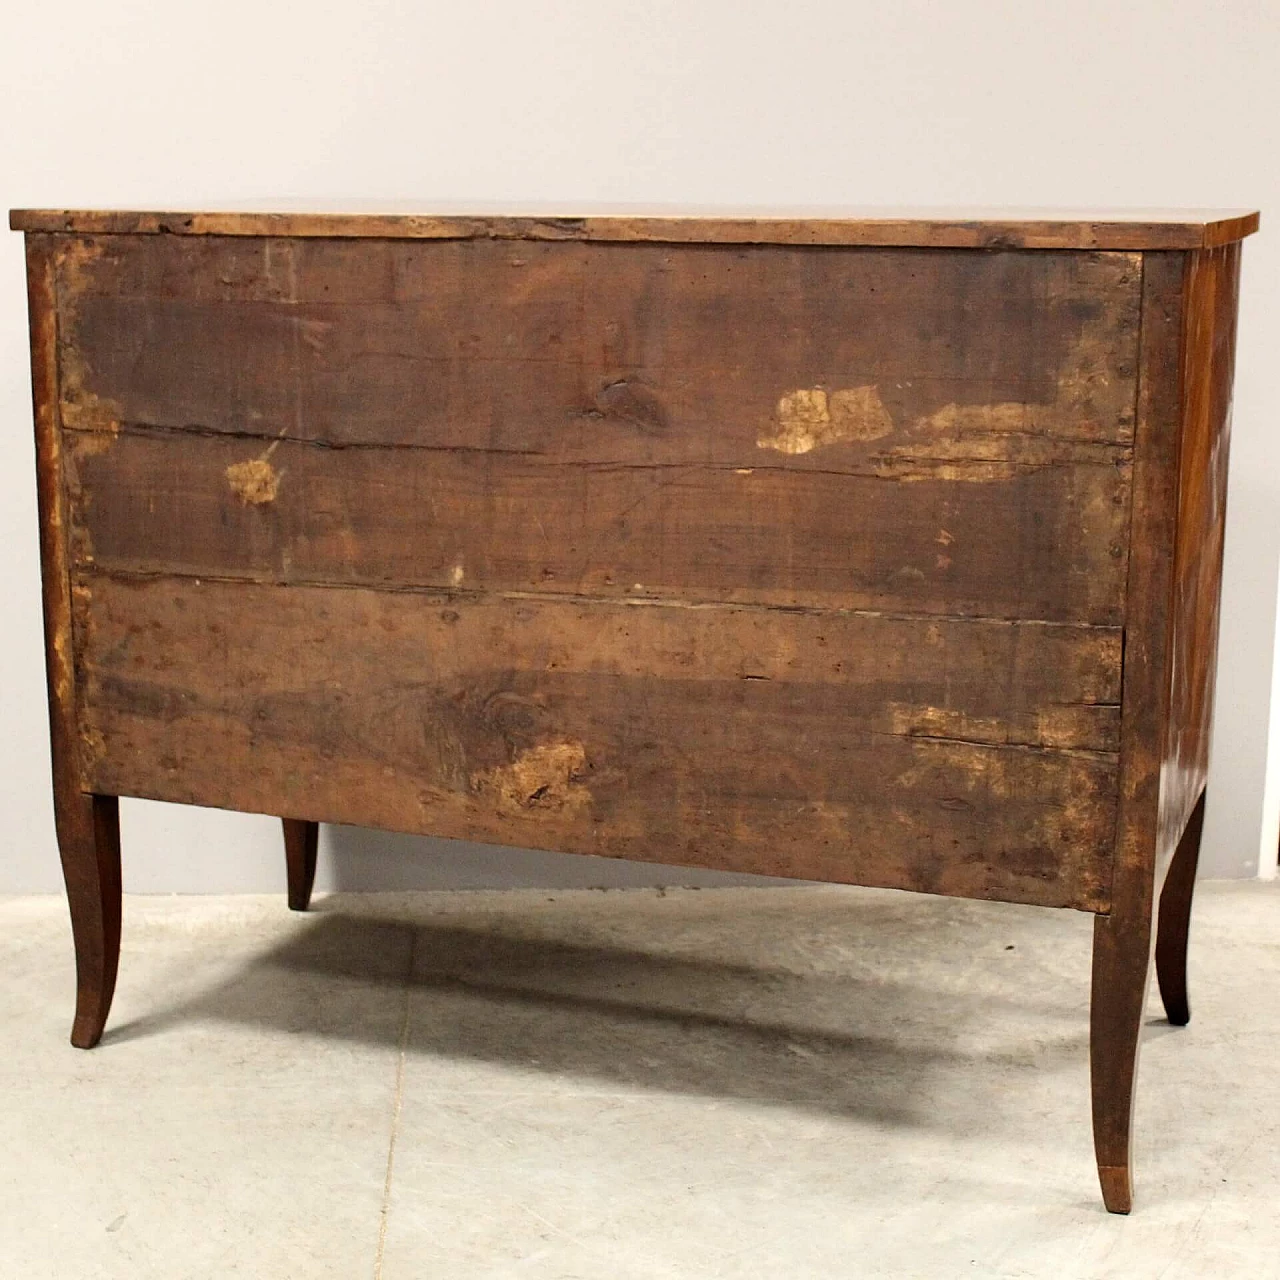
(1175, 920)
(87, 825)
(301, 841)
(934, 228)
(1122, 937)
(1208, 368)
(914, 753)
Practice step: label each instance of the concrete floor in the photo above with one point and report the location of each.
(632, 1085)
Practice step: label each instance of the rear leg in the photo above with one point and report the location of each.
(1175, 920)
(300, 843)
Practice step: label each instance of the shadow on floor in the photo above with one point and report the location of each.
(849, 1011)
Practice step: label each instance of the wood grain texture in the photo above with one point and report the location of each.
(1039, 544)
(628, 353)
(931, 432)
(1122, 938)
(948, 756)
(1208, 368)
(87, 826)
(934, 228)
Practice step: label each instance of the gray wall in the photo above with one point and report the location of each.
(202, 849)
(139, 103)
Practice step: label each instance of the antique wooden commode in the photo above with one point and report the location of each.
(873, 549)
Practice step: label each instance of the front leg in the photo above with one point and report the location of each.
(1121, 968)
(88, 826)
(89, 844)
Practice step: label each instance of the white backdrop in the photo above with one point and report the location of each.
(142, 103)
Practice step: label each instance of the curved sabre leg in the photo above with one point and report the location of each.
(89, 844)
(1175, 921)
(1121, 968)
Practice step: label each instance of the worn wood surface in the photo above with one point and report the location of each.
(87, 825)
(562, 447)
(1038, 544)
(928, 432)
(618, 432)
(937, 228)
(951, 756)
(587, 352)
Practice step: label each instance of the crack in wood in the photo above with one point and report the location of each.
(473, 594)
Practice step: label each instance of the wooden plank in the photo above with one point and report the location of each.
(624, 353)
(971, 228)
(1042, 542)
(904, 752)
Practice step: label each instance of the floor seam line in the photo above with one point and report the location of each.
(397, 1106)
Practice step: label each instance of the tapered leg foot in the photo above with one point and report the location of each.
(1117, 1188)
(89, 844)
(1175, 921)
(300, 842)
(1121, 967)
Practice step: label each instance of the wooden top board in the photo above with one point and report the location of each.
(1122, 229)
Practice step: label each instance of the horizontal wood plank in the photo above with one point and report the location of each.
(942, 755)
(1038, 542)
(917, 430)
(970, 228)
(636, 353)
